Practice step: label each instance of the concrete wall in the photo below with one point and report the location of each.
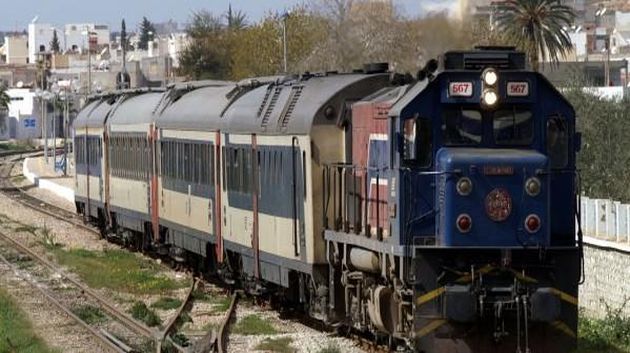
(607, 269)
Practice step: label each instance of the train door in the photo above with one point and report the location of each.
(298, 196)
(86, 150)
(254, 188)
(151, 174)
(218, 219)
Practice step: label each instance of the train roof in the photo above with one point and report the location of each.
(195, 107)
(95, 113)
(294, 106)
(135, 109)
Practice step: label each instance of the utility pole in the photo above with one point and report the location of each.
(285, 16)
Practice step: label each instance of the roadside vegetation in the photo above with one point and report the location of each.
(118, 270)
(608, 335)
(16, 332)
(279, 345)
(140, 312)
(254, 325)
(90, 314)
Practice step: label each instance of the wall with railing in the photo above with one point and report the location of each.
(606, 219)
(606, 228)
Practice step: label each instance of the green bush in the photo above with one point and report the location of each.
(140, 312)
(608, 335)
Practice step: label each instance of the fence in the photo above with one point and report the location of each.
(606, 219)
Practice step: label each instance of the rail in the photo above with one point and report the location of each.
(222, 337)
(123, 318)
(170, 325)
(100, 335)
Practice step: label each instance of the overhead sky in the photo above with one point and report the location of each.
(18, 13)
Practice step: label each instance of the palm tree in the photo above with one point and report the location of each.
(4, 107)
(537, 26)
(4, 97)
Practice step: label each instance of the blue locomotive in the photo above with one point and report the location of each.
(435, 214)
(476, 200)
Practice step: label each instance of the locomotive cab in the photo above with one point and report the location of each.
(486, 198)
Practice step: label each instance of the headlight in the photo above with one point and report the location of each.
(532, 186)
(464, 186)
(490, 77)
(532, 223)
(489, 98)
(464, 223)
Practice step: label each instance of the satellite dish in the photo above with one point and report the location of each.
(20, 84)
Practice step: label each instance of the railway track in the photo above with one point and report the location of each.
(80, 290)
(214, 341)
(19, 195)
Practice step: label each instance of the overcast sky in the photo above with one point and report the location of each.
(16, 14)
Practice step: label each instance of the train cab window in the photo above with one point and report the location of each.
(418, 142)
(557, 142)
(513, 127)
(462, 127)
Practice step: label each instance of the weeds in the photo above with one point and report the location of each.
(330, 349)
(279, 345)
(609, 335)
(167, 303)
(254, 325)
(49, 238)
(118, 270)
(16, 332)
(140, 312)
(90, 314)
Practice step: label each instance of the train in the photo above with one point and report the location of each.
(432, 213)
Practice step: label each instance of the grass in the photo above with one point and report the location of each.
(280, 345)
(117, 270)
(11, 146)
(609, 335)
(167, 303)
(16, 332)
(140, 312)
(220, 303)
(254, 325)
(330, 349)
(90, 314)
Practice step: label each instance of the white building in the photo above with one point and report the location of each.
(21, 121)
(15, 49)
(39, 37)
(177, 42)
(76, 36)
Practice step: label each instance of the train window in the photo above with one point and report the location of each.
(461, 127)
(557, 142)
(513, 127)
(418, 146)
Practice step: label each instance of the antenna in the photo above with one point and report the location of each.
(35, 19)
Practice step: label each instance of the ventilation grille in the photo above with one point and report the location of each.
(270, 106)
(296, 92)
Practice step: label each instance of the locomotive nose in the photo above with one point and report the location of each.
(492, 197)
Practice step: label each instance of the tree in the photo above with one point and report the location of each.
(147, 33)
(207, 54)
(537, 26)
(236, 20)
(5, 100)
(54, 43)
(124, 42)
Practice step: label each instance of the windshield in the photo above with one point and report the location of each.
(461, 127)
(513, 127)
